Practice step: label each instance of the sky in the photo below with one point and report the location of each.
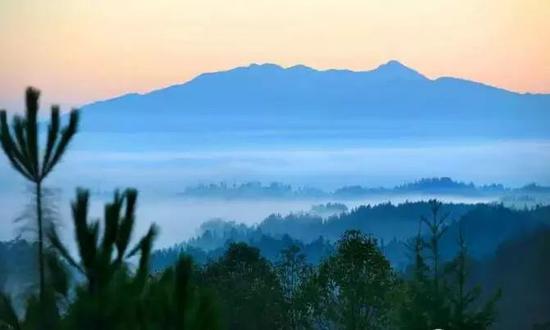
(80, 51)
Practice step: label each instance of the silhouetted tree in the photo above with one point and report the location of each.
(465, 315)
(425, 305)
(21, 146)
(173, 301)
(109, 286)
(356, 284)
(247, 288)
(294, 273)
(437, 294)
(417, 300)
(115, 297)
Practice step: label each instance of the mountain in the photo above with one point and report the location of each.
(392, 100)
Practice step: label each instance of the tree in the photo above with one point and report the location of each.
(114, 296)
(356, 284)
(426, 304)
(294, 273)
(21, 146)
(111, 294)
(173, 300)
(438, 294)
(465, 315)
(436, 229)
(97, 262)
(417, 301)
(247, 288)
(109, 288)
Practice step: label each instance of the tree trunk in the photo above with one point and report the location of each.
(40, 238)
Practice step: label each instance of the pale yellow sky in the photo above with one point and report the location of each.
(78, 51)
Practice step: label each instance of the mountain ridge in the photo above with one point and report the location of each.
(391, 97)
(391, 62)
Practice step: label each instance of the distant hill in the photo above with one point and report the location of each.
(426, 187)
(392, 100)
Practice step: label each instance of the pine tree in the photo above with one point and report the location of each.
(466, 312)
(113, 295)
(107, 298)
(437, 294)
(21, 146)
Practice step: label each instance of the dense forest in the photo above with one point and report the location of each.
(485, 226)
(415, 265)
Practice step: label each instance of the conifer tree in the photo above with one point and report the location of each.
(110, 291)
(438, 294)
(466, 311)
(21, 146)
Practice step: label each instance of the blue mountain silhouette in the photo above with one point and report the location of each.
(392, 100)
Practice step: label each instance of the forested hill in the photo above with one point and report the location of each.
(484, 227)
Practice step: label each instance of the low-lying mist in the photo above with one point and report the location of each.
(161, 175)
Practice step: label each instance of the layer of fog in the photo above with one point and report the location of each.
(180, 218)
(160, 175)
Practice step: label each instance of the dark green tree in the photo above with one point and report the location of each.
(110, 288)
(21, 146)
(102, 257)
(436, 229)
(417, 300)
(294, 273)
(247, 288)
(438, 294)
(174, 301)
(357, 284)
(426, 305)
(467, 313)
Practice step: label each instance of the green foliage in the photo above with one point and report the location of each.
(104, 301)
(294, 275)
(464, 315)
(247, 288)
(174, 301)
(355, 285)
(439, 296)
(101, 258)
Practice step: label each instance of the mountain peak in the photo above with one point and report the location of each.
(268, 66)
(277, 67)
(394, 63)
(396, 69)
(301, 67)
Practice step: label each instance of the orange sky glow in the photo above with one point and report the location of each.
(80, 51)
